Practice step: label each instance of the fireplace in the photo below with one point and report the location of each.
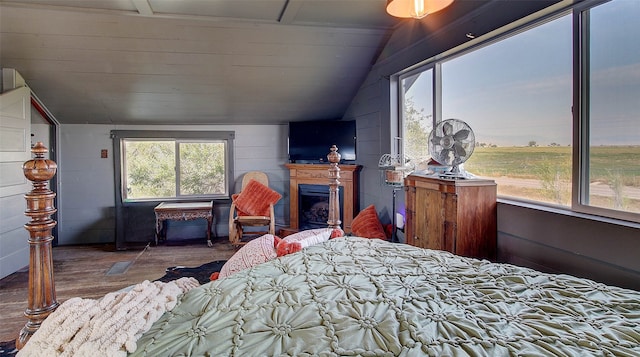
(313, 206)
(317, 176)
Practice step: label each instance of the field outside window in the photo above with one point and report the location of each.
(516, 96)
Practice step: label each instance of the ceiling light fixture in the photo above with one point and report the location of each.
(415, 8)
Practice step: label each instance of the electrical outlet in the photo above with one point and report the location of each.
(104, 153)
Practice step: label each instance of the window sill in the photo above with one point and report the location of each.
(568, 212)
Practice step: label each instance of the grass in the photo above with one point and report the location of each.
(526, 162)
(614, 166)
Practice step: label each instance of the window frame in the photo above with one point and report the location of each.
(580, 117)
(119, 136)
(398, 145)
(582, 152)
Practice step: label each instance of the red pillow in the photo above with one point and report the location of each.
(367, 225)
(255, 199)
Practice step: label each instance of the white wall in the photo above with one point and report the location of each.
(40, 131)
(15, 115)
(87, 188)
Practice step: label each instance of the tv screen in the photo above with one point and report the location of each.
(309, 141)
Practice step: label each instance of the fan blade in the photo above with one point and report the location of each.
(460, 151)
(445, 155)
(461, 134)
(447, 128)
(436, 140)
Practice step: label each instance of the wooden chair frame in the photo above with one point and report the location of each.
(237, 223)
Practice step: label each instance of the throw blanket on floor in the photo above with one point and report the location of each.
(106, 327)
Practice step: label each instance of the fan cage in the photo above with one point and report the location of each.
(394, 169)
(447, 143)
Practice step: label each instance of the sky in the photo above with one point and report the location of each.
(520, 89)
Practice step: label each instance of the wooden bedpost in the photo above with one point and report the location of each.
(334, 183)
(40, 207)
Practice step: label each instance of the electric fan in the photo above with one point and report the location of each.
(451, 143)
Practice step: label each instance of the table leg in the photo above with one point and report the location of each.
(158, 229)
(209, 222)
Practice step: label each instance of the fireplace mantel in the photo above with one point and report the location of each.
(311, 174)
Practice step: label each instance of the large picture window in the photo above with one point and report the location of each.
(516, 96)
(174, 165)
(545, 132)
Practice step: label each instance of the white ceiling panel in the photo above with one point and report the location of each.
(193, 61)
(267, 10)
(351, 13)
(196, 61)
(121, 5)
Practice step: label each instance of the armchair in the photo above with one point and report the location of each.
(252, 207)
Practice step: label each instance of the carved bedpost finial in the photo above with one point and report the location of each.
(40, 207)
(334, 183)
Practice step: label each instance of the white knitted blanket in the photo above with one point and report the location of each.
(106, 327)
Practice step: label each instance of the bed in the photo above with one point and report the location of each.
(369, 297)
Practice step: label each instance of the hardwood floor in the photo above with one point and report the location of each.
(81, 271)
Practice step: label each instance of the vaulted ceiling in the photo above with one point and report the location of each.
(193, 61)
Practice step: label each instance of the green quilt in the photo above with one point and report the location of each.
(367, 297)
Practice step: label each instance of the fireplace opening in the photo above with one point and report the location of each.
(313, 206)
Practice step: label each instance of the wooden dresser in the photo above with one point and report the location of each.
(458, 216)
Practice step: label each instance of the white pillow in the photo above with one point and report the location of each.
(314, 236)
(256, 251)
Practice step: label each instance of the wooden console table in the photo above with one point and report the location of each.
(183, 211)
(311, 174)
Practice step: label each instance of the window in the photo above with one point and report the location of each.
(517, 91)
(516, 96)
(174, 165)
(610, 88)
(417, 91)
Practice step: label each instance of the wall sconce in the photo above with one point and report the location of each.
(415, 8)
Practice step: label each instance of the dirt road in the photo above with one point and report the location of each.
(596, 189)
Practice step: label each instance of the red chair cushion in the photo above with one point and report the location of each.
(255, 198)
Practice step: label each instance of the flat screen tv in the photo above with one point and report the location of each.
(309, 141)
